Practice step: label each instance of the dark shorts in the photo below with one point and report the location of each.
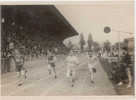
(52, 64)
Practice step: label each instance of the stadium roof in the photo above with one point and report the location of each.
(37, 21)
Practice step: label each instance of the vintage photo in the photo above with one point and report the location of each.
(67, 49)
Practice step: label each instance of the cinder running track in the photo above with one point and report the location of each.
(40, 83)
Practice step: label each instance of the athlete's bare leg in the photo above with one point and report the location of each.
(54, 71)
(92, 77)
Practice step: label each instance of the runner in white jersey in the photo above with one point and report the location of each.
(72, 63)
(91, 66)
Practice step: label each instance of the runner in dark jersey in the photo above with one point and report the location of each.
(21, 71)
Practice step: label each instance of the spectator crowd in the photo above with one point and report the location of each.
(120, 66)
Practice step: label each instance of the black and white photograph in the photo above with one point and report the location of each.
(68, 49)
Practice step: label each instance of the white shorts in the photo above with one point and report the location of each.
(49, 67)
(91, 70)
(71, 73)
(22, 73)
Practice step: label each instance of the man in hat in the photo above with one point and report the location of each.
(72, 63)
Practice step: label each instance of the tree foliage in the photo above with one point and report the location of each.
(82, 41)
(90, 41)
(96, 46)
(107, 45)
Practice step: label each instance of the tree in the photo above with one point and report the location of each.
(90, 41)
(82, 42)
(96, 46)
(107, 45)
(125, 44)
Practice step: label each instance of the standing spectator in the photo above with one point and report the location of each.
(128, 64)
(10, 58)
(56, 50)
(4, 61)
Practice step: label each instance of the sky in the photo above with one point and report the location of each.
(94, 16)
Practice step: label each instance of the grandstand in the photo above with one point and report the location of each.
(33, 25)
